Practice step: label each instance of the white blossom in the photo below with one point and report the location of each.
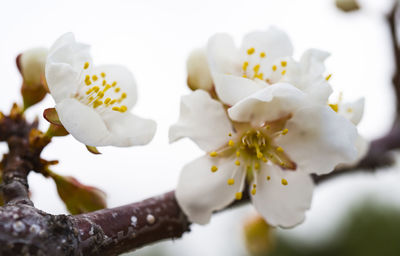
(94, 102)
(269, 125)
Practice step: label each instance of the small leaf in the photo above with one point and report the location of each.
(50, 114)
(93, 150)
(56, 131)
(78, 198)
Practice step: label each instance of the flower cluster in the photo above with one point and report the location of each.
(93, 103)
(265, 121)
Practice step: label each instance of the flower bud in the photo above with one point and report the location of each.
(258, 236)
(199, 76)
(31, 65)
(347, 5)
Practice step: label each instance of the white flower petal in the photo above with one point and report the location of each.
(222, 55)
(274, 42)
(125, 82)
(62, 80)
(82, 122)
(281, 205)
(64, 66)
(203, 120)
(353, 111)
(362, 146)
(67, 50)
(312, 62)
(319, 139)
(307, 75)
(318, 91)
(231, 89)
(200, 191)
(127, 129)
(269, 104)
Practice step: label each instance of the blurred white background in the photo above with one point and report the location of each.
(153, 39)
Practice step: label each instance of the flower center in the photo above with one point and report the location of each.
(256, 147)
(257, 66)
(99, 94)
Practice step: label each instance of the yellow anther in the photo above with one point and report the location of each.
(94, 77)
(87, 77)
(284, 182)
(334, 107)
(283, 63)
(231, 143)
(285, 131)
(268, 177)
(214, 168)
(244, 76)
(86, 65)
(264, 159)
(238, 195)
(282, 164)
(107, 101)
(253, 191)
(106, 88)
(102, 74)
(262, 55)
(231, 182)
(245, 65)
(237, 162)
(328, 77)
(112, 102)
(238, 153)
(89, 91)
(97, 103)
(104, 82)
(114, 84)
(88, 82)
(283, 72)
(96, 88)
(123, 109)
(115, 108)
(274, 68)
(91, 98)
(257, 166)
(267, 127)
(100, 94)
(279, 149)
(213, 154)
(250, 51)
(117, 89)
(230, 134)
(123, 95)
(259, 76)
(256, 68)
(259, 155)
